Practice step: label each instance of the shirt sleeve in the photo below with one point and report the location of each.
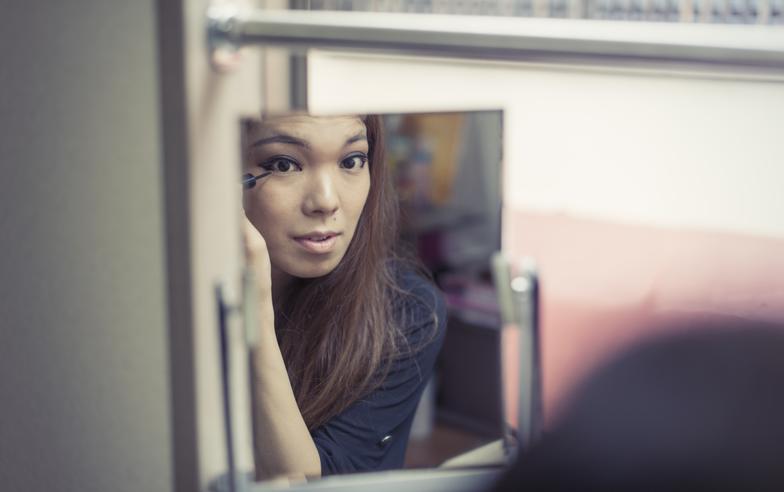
(372, 433)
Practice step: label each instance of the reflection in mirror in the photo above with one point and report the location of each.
(369, 239)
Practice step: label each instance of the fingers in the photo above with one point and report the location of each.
(252, 240)
(256, 256)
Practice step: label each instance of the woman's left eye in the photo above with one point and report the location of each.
(354, 161)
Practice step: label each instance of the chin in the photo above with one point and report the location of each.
(312, 269)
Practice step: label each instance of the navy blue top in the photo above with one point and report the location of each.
(372, 433)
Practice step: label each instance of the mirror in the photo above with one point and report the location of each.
(424, 387)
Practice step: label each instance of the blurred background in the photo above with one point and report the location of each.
(447, 172)
(713, 11)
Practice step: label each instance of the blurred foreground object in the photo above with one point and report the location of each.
(701, 410)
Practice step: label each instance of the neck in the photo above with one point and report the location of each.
(281, 281)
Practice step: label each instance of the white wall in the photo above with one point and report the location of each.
(686, 150)
(84, 385)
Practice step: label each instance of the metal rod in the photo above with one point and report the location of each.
(501, 38)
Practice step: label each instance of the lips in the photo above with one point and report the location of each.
(318, 242)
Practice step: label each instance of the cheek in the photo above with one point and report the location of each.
(357, 197)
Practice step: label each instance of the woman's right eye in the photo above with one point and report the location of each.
(281, 165)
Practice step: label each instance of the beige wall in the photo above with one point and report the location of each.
(84, 385)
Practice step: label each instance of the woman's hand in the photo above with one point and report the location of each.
(281, 440)
(257, 257)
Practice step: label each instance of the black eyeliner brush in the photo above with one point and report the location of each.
(249, 180)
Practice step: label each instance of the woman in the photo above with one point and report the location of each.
(349, 331)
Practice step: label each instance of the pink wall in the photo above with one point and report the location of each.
(603, 285)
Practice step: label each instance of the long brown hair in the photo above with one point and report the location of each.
(339, 333)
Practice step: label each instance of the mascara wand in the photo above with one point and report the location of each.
(249, 180)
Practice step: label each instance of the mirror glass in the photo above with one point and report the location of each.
(306, 176)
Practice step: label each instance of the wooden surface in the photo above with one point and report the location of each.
(443, 443)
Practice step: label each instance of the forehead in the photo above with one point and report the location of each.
(313, 128)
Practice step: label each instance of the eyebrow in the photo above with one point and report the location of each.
(357, 138)
(281, 138)
(288, 139)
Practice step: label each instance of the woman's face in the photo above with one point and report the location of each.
(307, 210)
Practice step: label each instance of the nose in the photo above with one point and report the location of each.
(321, 197)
